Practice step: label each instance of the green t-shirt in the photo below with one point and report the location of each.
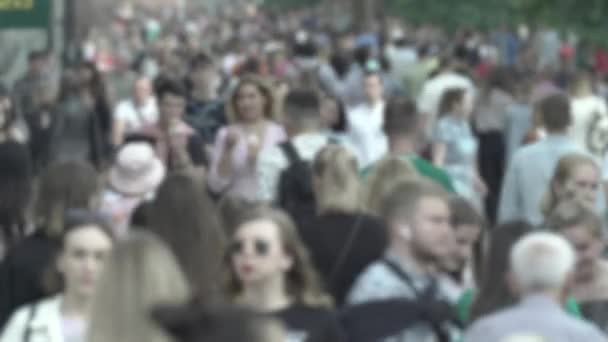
(425, 169)
(463, 307)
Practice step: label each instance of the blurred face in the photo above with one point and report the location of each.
(258, 254)
(142, 90)
(588, 248)
(431, 230)
(206, 78)
(82, 259)
(461, 249)
(373, 88)
(85, 74)
(250, 103)
(329, 112)
(172, 107)
(583, 185)
(5, 107)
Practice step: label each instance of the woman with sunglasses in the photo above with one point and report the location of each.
(271, 272)
(84, 245)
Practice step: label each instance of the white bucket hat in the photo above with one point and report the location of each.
(137, 170)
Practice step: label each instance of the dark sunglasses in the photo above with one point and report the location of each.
(261, 247)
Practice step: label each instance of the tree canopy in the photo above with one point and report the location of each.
(586, 18)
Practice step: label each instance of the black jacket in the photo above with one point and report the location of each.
(327, 237)
(22, 272)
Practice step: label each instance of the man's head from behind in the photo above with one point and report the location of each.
(418, 215)
(302, 111)
(542, 263)
(556, 113)
(401, 119)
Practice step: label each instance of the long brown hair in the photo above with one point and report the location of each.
(184, 217)
(302, 280)
(450, 98)
(494, 293)
(263, 87)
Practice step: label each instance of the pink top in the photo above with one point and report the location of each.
(243, 181)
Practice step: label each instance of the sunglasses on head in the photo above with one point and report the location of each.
(261, 247)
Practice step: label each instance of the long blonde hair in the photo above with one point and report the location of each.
(140, 274)
(336, 180)
(303, 282)
(389, 172)
(563, 172)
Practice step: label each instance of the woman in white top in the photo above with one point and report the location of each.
(84, 246)
(588, 111)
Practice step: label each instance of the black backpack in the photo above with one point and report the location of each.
(295, 193)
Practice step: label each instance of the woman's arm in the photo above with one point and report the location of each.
(221, 170)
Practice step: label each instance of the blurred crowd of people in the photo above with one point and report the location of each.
(253, 175)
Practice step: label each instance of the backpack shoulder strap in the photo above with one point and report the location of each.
(342, 257)
(290, 152)
(399, 272)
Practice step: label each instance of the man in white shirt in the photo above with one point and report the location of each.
(304, 127)
(133, 114)
(366, 123)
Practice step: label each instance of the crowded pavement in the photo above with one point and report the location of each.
(248, 174)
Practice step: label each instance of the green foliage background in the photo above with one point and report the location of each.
(287, 4)
(588, 18)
